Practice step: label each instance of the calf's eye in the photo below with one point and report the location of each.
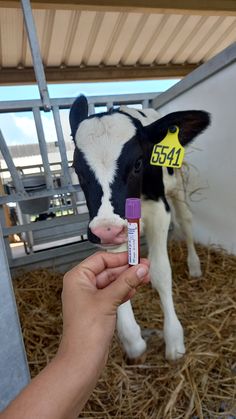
(138, 165)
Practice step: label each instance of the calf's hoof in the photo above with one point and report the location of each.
(138, 360)
(175, 354)
(174, 340)
(195, 273)
(194, 267)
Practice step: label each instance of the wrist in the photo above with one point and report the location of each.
(89, 342)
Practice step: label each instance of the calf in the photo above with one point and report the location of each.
(112, 161)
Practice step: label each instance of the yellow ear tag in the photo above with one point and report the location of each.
(169, 152)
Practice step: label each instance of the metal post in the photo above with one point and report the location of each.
(145, 104)
(6, 239)
(109, 105)
(36, 55)
(14, 371)
(43, 147)
(18, 184)
(91, 109)
(66, 180)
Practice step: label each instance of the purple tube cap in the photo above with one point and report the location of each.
(133, 208)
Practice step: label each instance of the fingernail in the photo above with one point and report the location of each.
(141, 272)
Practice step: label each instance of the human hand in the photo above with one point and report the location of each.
(92, 292)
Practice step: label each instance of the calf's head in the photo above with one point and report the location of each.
(112, 153)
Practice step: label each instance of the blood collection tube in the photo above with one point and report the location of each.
(133, 215)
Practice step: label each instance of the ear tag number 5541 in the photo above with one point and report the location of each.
(169, 152)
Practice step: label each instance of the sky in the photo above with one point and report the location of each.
(18, 128)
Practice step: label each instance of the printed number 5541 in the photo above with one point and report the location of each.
(165, 156)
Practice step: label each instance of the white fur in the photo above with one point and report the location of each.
(151, 114)
(170, 182)
(129, 332)
(157, 221)
(176, 197)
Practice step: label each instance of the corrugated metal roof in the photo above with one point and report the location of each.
(84, 39)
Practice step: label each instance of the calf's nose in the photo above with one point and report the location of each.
(110, 234)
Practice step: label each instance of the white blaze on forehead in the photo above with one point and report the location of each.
(101, 139)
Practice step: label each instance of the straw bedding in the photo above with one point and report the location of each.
(201, 385)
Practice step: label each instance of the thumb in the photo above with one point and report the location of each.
(126, 283)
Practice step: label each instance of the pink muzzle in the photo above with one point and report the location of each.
(110, 234)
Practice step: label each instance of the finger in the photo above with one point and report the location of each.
(130, 295)
(100, 261)
(146, 280)
(129, 280)
(109, 275)
(145, 261)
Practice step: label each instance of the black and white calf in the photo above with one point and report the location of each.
(112, 161)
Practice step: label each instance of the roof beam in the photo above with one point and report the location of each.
(92, 74)
(208, 7)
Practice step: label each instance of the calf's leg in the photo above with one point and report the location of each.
(156, 222)
(184, 218)
(129, 331)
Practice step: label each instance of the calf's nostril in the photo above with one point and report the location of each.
(109, 234)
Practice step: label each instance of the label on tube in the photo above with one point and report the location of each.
(133, 242)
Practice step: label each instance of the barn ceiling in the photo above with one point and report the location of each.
(92, 40)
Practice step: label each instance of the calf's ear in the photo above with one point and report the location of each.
(78, 112)
(190, 123)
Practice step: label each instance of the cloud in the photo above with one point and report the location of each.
(20, 128)
(26, 128)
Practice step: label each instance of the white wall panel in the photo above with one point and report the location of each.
(213, 156)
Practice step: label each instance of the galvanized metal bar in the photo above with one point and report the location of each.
(73, 203)
(43, 147)
(34, 166)
(8, 249)
(92, 108)
(6, 239)
(35, 52)
(28, 235)
(18, 184)
(65, 179)
(13, 363)
(145, 104)
(132, 98)
(65, 103)
(74, 252)
(56, 222)
(40, 194)
(109, 105)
